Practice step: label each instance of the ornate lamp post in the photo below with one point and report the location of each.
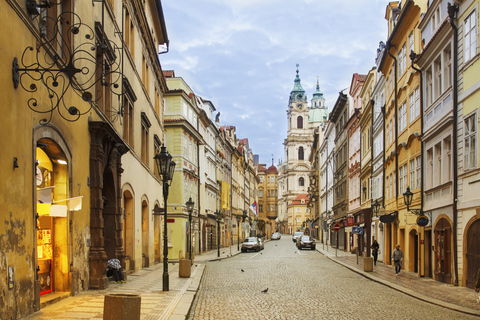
(218, 215)
(375, 207)
(190, 204)
(239, 218)
(166, 169)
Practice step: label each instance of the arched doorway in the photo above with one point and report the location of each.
(204, 237)
(157, 234)
(128, 230)
(413, 250)
(473, 253)
(53, 253)
(443, 237)
(145, 237)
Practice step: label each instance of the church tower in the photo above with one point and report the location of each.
(295, 171)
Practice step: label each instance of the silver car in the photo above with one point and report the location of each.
(251, 243)
(276, 236)
(296, 235)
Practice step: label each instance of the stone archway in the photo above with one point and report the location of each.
(106, 214)
(472, 253)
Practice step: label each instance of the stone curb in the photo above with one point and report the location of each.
(406, 291)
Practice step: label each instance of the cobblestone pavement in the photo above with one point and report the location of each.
(147, 283)
(301, 285)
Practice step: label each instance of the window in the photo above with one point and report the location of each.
(437, 83)
(156, 145)
(388, 188)
(261, 179)
(414, 101)
(402, 60)
(411, 42)
(388, 135)
(470, 142)
(402, 179)
(447, 67)
(418, 161)
(300, 153)
(402, 117)
(128, 99)
(429, 168)
(260, 208)
(437, 165)
(470, 37)
(429, 88)
(412, 174)
(260, 193)
(447, 164)
(145, 127)
(301, 182)
(272, 208)
(300, 122)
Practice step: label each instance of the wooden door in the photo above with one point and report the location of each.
(443, 236)
(473, 253)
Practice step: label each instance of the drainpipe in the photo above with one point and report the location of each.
(452, 10)
(413, 56)
(396, 122)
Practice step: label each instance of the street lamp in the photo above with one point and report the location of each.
(218, 215)
(408, 197)
(166, 169)
(239, 218)
(376, 207)
(190, 204)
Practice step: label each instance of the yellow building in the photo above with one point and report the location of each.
(468, 224)
(68, 136)
(267, 198)
(402, 132)
(182, 140)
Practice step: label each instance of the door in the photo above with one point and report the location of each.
(428, 254)
(473, 253)
(443, 233)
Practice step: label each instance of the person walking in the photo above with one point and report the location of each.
(397, 257)
(375, 247)
(477, 285)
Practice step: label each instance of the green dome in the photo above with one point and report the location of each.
(297, 93)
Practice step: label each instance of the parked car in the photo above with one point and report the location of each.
(251, 243)
(306, 242)
(276, 236)
(296, 235)
(261, 243)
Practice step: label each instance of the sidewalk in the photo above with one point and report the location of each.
(147, 283)
(461, 299)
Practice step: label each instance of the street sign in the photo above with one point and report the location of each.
(357, 230)
(336, 227)
(171, 220)
(422, 221)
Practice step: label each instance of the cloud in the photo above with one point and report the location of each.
(241, 55)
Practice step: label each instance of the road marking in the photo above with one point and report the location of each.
(256, 254)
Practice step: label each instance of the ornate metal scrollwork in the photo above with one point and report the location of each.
(93, 63)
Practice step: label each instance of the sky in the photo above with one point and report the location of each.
(242, 56)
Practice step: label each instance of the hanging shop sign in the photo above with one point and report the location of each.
(422, 221)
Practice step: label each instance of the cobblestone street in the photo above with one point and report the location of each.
(301, 285)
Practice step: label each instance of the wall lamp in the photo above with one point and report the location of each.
(15, 163)
(408, 197)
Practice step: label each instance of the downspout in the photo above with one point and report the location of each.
(198, 201)
(452, 10)
(396, 122)
(382, 109)
(413, 55)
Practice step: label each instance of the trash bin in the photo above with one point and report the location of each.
(185, 268)
(121, 307)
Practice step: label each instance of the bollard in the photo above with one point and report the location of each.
(121, 307)
(185, 268)
(368, 264)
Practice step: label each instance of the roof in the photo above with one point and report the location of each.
(298, 199)
(169, 73)
(272, 169)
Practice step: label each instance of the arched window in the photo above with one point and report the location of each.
(301, 182)
(300, 153)
(300, 122)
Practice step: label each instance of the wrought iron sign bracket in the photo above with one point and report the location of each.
(57, 66)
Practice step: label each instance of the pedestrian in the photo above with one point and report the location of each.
(114, 269)
(397, 257)
(477, 285)
(375, 248)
